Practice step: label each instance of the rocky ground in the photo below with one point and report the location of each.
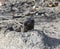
(46, 32)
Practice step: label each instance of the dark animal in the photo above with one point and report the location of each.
(28, 24)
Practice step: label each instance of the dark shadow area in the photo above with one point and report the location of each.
(50, 42)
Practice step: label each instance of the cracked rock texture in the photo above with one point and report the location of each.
(46, 32)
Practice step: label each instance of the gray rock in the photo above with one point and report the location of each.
(16, 27)
(31, 41)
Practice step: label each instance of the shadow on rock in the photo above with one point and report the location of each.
(50, 42)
